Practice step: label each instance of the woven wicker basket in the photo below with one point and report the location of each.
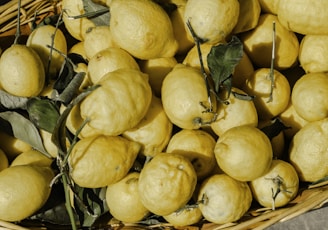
(309, 198)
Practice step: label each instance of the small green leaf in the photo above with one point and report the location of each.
(43, 113)
(96, 12)
(8, 101)
(222, 60)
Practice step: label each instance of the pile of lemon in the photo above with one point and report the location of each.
(151, 102)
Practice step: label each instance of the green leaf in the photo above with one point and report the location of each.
(222, 60)
(8, 101)
(97, 13)
(23, 129)
(43, 113)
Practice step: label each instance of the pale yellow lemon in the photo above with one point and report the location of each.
(144, 36)
(154, 131)
(244, 152)
(192, 57)
(249, 13)
(212, 20)
(185, 216)
(243, 70)
(123, 200)
(166, 183)
(197, 146)
(78, 48)
(32, 157)
(101, 160)
(309, 96)
(269, 6)
(308, 151)
(223, 199)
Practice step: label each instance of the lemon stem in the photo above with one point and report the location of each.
(68, 202)
(273, 57)
(18, 31)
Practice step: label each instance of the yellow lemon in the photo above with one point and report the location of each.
(271, 97)
(244, 152)
(313, 53)
(78, 48)
(123, 200)
(237, 112)
(277, 187)
(4, 163)
(186, 216)
(249, 14)
(269, 6)
(153, 132)
(119, 104)
(185, 98)
(304, 16)
(24, 190)
(258, 44)
(144, 36)
(101, 160)
(166, 183)
(32, 157)
(39, 40)
(197, 146)
(192, 57)
(21, 71)
(224, 199)
(108, 60)
(212, 20)
(243, 70)
(308, 151)
(309, 96)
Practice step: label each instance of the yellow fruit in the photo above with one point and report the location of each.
(237, 112)
(244, 153)
(313, 53)
(166, 183)
(212, 20)
(192, 57)
(187, 216)
(157, 69)
(269, 6)
(76, 27)
(21, 71)
(260, 86)
(119, 104)
(97, 39)
(304, 16)
(44, 36)
(74, 120)
(78, 48)
(185, 99)
(144, 36)
(224, 199)
(24, 190)
(243, 70)
(197, 146)
(108, 60)
(249, 13)
(309, 96)
(102, 160)
(4, 163)
(32, 157)
(277, 187)
(308, 151)
(185, 41)
(123, 200)
(258, 44)
(153, 132)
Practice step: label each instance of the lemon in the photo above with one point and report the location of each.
(4, 163)
(123, 200)
(157, 69)
(237, 112)
(197, 146)
(39, 40)
(119, 104)
(32, 157)
(166, 183)
(277, 187)
(192, 57)
(262, 87)
(224, 199)
(187, 216)
(244, 153)
(144, 36)
(312, 54)
(78, 48)
(21, 71)
(243, 70)
(249, 14)
(212, 20)
(304, 16)
(309, 96)
(269, 6)
(258, 44)
(308, 151)
(97, 39)
(101, 160)
(19, 182)
(76, 27)
(185, 99)
(108, 60)
(154, 131)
